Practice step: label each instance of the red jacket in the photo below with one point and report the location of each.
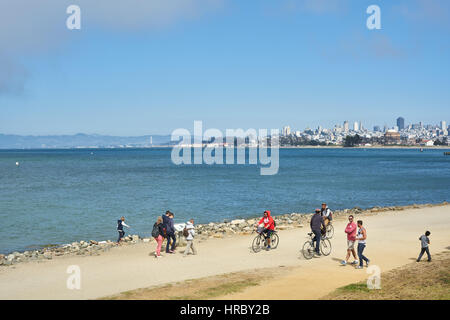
(268, 222)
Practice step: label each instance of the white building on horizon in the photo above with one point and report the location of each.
(346, 126)
(286, 131)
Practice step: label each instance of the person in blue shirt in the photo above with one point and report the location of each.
(170, 231)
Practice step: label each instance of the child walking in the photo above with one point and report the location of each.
(120, 224)
(190, 238)
(425, 242)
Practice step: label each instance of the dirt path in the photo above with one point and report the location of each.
(392, 241)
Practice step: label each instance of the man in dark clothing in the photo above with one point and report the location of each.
(425, 242)
(316, 224)
(170, 231)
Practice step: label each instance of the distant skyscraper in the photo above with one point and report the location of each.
(345, 126)
(400, 123)
(356, 126)
(286, 131)
(376, 128)
(443, 125)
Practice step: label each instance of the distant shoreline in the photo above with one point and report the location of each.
(281, 147)
(366, 147)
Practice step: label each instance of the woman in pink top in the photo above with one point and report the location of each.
(350, 230)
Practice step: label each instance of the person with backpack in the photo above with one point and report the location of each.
(424, 242)
(120, 224)
(269, 226)
(189, 233)
(158, 234)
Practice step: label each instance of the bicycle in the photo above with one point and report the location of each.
(261, 242)
(329, 231)
(309, 247)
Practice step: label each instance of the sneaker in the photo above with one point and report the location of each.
(359, 267)
(367, 263)
(355, 262)
(343, 262)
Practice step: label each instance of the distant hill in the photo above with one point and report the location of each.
(79, 140)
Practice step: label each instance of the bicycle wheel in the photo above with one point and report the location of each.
(256, 244)
(274, 240)
(330, 231)
(325, 247)
(308, 250)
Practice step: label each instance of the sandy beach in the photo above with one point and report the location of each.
(392, 242)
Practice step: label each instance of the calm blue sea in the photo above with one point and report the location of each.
(61, 196)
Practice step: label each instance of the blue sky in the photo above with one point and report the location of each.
(136, 69)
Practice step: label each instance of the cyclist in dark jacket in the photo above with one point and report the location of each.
(316, 224)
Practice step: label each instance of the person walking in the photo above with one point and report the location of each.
(169, 231)
(158, 234)
(425, 242)
(350, 230)
(190, 234)
(361, 236)
(316, 224)
(120, 224)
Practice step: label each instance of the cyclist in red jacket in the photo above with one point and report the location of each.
(269, 226)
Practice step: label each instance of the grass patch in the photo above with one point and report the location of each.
(199, 289)
(415, 281)
(354, 287)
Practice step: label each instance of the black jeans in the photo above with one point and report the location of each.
(361, 247)
(121, 234)
(422, 252)
(317, 237)
(174, 241)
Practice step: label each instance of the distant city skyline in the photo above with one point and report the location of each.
(346, 125)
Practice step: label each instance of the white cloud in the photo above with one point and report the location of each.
(29, 27)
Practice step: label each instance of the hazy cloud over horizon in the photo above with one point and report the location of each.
(29, 28)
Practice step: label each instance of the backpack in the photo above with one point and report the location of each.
(185, 232)
(155, 231)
